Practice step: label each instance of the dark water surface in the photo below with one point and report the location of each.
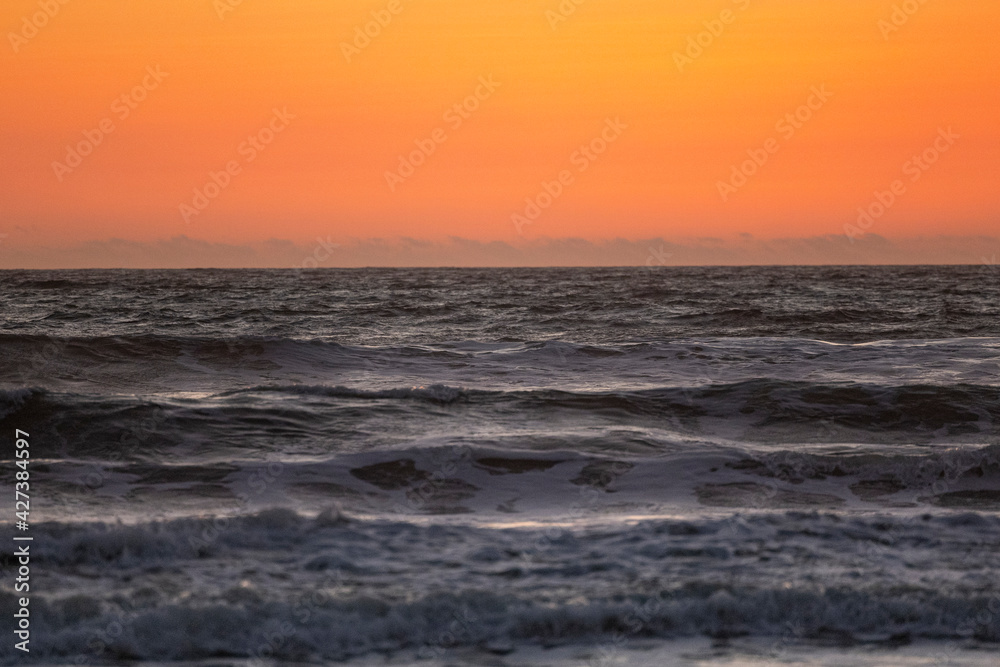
(340, 464)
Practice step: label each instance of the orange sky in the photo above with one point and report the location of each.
(556, 87)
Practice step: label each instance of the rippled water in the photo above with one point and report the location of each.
(441, 464)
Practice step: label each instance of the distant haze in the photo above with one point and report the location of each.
(184, 252)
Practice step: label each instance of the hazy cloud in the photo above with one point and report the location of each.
(184, 252)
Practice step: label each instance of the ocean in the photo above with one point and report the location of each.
(631, 466)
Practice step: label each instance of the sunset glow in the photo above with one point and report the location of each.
(237, 122)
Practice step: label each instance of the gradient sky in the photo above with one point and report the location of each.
(559, 85)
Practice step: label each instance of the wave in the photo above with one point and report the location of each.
(597, 306)
(12, 400)
(137, 359)
(496, 481)
(496, 624)
(763, 405)
(437, 393)
(352, 587)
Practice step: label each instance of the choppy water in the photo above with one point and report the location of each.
(484, 464)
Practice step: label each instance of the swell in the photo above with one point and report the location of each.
(31, 355)
(957, 409)
(764, 411)
(504, 484)
(777, 400)
(643, 378)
